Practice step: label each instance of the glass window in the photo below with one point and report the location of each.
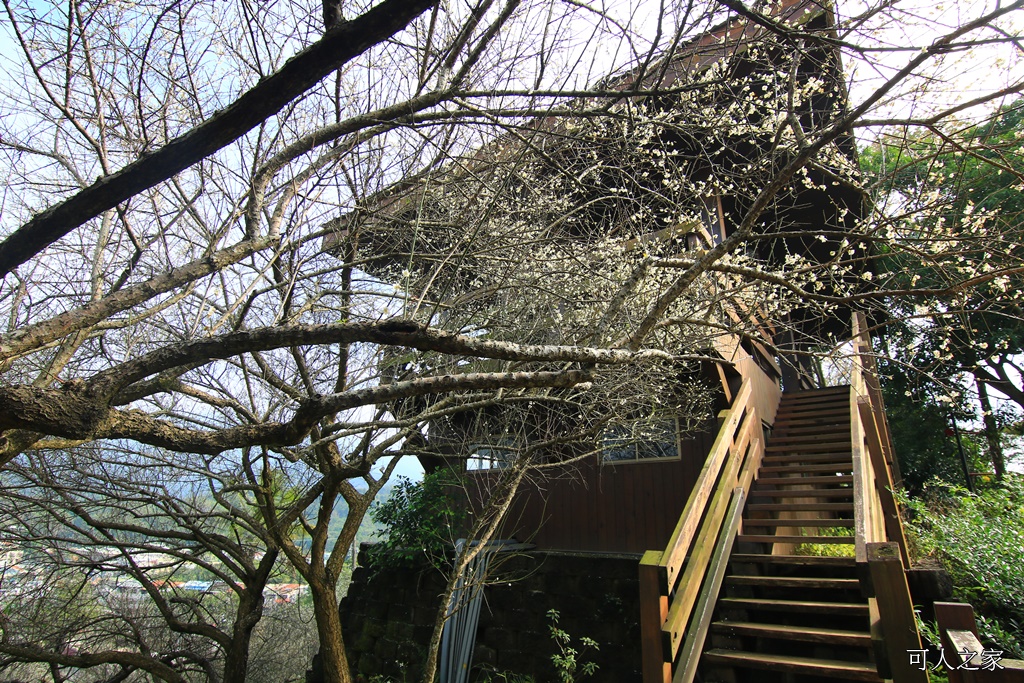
(646, 442)
(490, 457)
(712, 219)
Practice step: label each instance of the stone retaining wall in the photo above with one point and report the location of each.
(388, 615)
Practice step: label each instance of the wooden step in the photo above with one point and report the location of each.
(801, 560)
(773, 460)
(816, 447)
(802, 523)
(815, 395)
(802, 493)
(834, 418)
(833, 403)
(807, 634)
(846, 466)
(813, 438)
(799, 507)
(811, 426)
(806, 481)
(823, 429)
(823, 668)
(779, 538)
(846, 609)
(803, 582)
(813, 409)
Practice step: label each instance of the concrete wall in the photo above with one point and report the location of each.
(387, 616)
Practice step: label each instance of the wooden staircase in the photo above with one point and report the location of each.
(783, 615)
(733, 596)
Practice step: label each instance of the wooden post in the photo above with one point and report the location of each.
(892, 596)
(957, 619)
(653, 614)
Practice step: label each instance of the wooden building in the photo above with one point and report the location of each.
(629, 496)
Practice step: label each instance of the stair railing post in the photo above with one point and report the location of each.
(896, 612)
(653, 614)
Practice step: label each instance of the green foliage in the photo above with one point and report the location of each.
(827, 549)
(965, 194)
(980, 540)
(418, 519)
(930, 638)
(920, 413)
(505, 677)
(569, 663)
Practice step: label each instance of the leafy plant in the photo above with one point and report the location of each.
(569, 663)
(505, 677)
(980, 540)
(418, 519)
(828, 549)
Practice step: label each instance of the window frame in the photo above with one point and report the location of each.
(502, 444)
(676, 457)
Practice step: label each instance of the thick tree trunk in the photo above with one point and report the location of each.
(236, 658)
(247, 616)
(328, 625)
(995, 448)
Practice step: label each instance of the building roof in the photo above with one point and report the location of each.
(669, 73)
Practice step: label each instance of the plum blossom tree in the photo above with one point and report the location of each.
(970, 187)
(231, 234)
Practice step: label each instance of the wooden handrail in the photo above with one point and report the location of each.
(881, 545)
(682, 537)
(705, 607)
(679, 585)
(878, 519)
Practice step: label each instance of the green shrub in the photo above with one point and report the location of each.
(979, 538)
(569, 662)
(827, 549)
(418, 520)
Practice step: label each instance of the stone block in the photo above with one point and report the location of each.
(525, 663)
(386, 649)
(500, 638)
(369, 664)
(397, 631)
(377, 609)
(364, 642)
(421, 634)
(424, 615)
(400, 611)
(484, 655)
(539, 642)
(375, 627)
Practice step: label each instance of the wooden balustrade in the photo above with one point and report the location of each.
(881, 545)
(875, 468)
(679, 585)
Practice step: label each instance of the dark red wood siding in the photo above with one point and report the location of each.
(625, 507)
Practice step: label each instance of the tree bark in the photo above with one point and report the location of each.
(995, 448)
(236, 658)
(328, 627)
(247, 616)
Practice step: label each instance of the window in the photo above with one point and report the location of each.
(712, 225)
(643, 442)
(496, 456)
